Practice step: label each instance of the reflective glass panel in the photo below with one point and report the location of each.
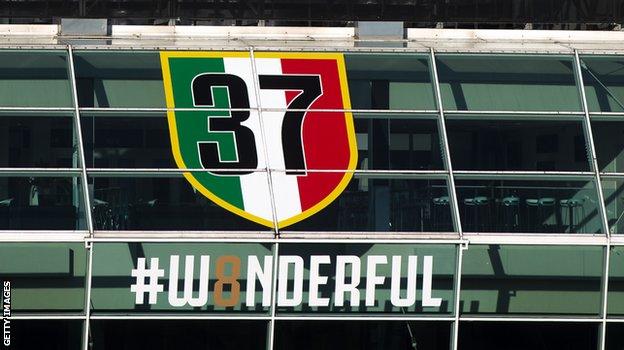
(127, 140)
(119, 79)
(389, 81)
(178, 335)
(410, 279)
(604, 83)
(545, 206)
(508, 83)
(170, 202)
(383, 141)
(608, 136)
(362, 335)
(528, 335)
(397, 142)
(615, 336)
(508, 279)
(616, 282)
(37, 141)
(217, 273)
(517, 145)
(41, 203)
(375, 202)
(34, 79)
(44, 276)
(46, 334)
(613, 188)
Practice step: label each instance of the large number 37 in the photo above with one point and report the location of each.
(310, 87)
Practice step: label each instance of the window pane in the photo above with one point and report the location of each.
(394, 142)
(170, 202)
(40, 142)
(507, 279)
(34, 79)
(372, 258)
(113, 281)
(375, 202)
(507, 83)
(44, 276)
(614, 202)
(546, 206)
(41, 203)
(389, 81)
(178, 335)
(397, 142)
(46, 334)
(362, 335)
(604, 83)
(608, 136)
(119, 79)
(529, 335)
(517, 145)
(127, 140)
(616, 282)
(615, 336)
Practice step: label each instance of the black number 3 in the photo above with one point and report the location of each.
(244, 138)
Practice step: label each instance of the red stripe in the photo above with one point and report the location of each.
(325, 137)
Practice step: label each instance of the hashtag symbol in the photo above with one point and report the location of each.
(152, 287)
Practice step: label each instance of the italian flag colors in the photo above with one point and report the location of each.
(326, 136)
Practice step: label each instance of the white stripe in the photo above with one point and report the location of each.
(254, 187)
(285, 188)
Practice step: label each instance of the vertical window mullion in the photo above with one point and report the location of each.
(590, 143)
(603, 211)
(452, 194)
(85, 191)
(445, 145)
(256, 89)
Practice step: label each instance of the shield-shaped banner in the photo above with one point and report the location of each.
(216, 124)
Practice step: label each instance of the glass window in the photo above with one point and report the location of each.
(508, 279)
(119, 79)
(378, 202)
(389, 81)
(517, 145)
(127, 140)
(433, 263)
(613, 188)
(362, 335)
(34, 79)
(46, 334)
(397, 142)
(604, 83)
(37, 141)
(178, 335)
(615, 336)
(529, 206)
(170, 202)
(508, 83)
(228, 263)
(44, 276)
(528, 335)
(616, 282)
(384, 142)
(608, 140)
(41, 203)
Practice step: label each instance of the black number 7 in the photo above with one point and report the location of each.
(292, 137)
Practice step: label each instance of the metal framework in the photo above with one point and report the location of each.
(92, 237)
(323, 12)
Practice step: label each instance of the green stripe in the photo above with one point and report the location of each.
(193, 126)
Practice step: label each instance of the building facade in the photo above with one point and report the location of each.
(311, 188)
